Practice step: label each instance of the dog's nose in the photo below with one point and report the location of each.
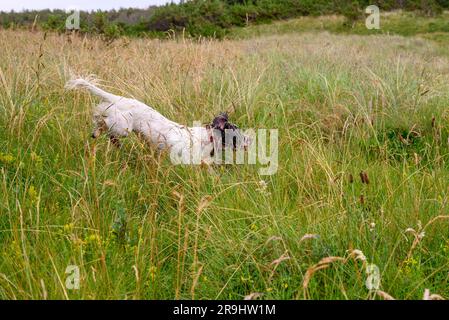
(93, 136)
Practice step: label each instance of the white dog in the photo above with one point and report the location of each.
(119, 116)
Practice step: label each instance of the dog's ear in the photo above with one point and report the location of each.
(220, 121)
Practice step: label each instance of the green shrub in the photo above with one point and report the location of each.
(352, 13)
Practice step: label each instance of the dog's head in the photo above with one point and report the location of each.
(108, 119)
(229, 134)
(99, 125)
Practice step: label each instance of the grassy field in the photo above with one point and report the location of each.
(347, 107)
(396, 23)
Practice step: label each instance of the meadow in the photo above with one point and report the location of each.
(362, 181)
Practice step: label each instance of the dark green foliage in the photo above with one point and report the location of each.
(209, 18)
(351, 11)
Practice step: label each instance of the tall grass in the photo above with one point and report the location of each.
(393, 22)
(141, 228)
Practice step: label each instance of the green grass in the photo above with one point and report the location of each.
(141, 228)
(399, 23)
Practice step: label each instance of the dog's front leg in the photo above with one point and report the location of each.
(115, 141)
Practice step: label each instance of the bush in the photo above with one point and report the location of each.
(199, 18)
(352, 13)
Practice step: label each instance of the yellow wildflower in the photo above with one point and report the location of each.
(93, 239)
(32, 194)
(152, 272)
(36, 159)
(68, 228)
(77, 242)
(6, 158)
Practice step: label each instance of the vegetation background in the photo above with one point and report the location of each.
(363, 164)
(208, 18)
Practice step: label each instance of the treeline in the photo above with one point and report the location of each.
(210, 18)
(129, 21)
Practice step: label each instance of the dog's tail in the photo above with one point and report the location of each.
(87, 84)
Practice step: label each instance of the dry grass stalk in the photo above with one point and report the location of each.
(384, 295)
(195, 282)
(283, 257)
(273, 238)
(326, 262)
(357, 254)
(416, 158)
(404, 141)
(136, 273)
(275, 263)
(204, 203)
(44, 290)
(309, 274)
(181, 252)
(322, 264)
(253, 296)
(420, 233)
(329, 260)
(309, 236)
